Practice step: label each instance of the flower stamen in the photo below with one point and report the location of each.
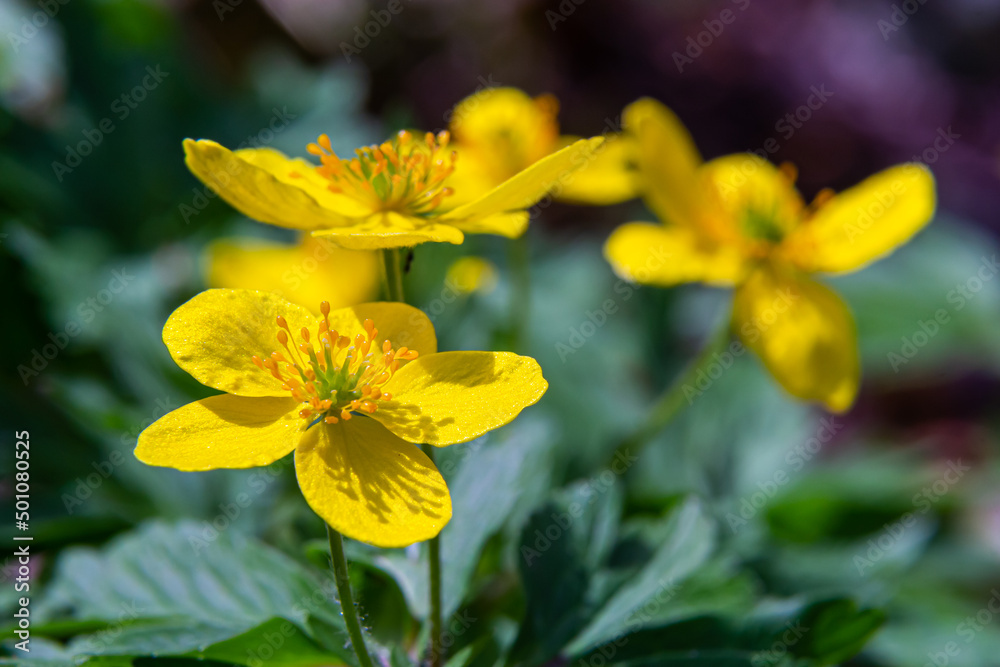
(403, 175)
(345, 376)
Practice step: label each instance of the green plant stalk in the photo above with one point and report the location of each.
(434, 557)
(672, 399)
(392, 274)
(347, 607)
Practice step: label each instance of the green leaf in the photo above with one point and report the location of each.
(485, 479)
(836, 630)
(221, 585)
(689, 541)
(277, 643)
(558, 564)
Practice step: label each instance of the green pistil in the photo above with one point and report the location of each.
(762, 226)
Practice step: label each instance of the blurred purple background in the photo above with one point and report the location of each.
(897, 80)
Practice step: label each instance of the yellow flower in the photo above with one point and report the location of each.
(471, 274)
(388, 196)
(738, 221)
(349, 397)
(306, 274)
(498, 132)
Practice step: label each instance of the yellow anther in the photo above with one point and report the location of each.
(344, 378)
(789, 171)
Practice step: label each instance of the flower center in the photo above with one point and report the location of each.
(403, 175)
(761, 226)
(337, 375)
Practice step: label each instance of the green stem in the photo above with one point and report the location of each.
(673, 398)
(392, 275)
(434, 556)
(347, 607)
(520, 302)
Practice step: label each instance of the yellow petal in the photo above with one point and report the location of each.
(391, 230)
(667, 161)
(402, 325)
(511, 225)
(453, 397)
(530, 185)
(749, 200)
(867, 221)
(803, 333)
(506, 128)
(473, 177)
(215, 335)
(472, 274)
(371, 486)
(653, 254)
(222, 432)
(309, 273)
(257, 192)
(302, 174)
(609, 178)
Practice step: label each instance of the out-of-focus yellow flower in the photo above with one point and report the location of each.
(472, 274)
(305, 274)
(498, 132)
(738, 221)
(340, 393)
(388, 196)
